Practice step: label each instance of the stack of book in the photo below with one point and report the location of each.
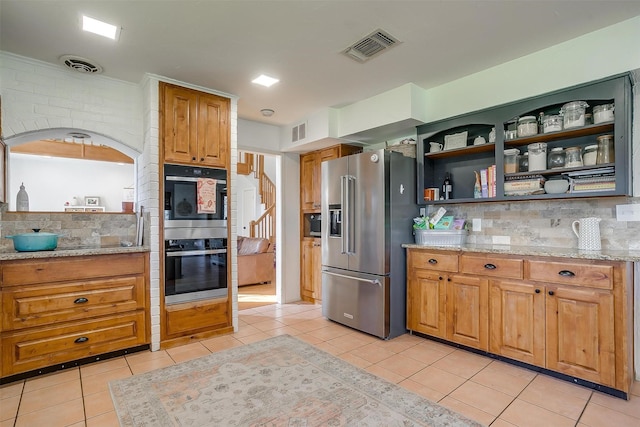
(600, 179)
(523, 185)
(488, 182)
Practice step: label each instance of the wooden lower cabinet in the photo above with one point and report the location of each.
(581, 333)
(197, 317)
(58, 310)
(467, 311)
(565, 315)
(426, 303)
(311, 270)
(517, 321)
(446, 305)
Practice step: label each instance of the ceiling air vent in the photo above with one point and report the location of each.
(370, 46)
(81, 65)
(299, 132)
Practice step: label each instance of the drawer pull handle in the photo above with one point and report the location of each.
(440, 278)
(490, 266)
(81, 300)
(566, 273)
(81, 340)
(537, 291)
(433, 261)
(551, 293)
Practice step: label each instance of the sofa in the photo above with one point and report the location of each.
(256, 261)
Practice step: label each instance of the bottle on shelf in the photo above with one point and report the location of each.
(541, 122)
(447, 187)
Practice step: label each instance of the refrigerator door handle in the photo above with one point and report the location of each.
(359, 279)
(350, 214)
(345, 220)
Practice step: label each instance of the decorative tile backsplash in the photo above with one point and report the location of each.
(548, 222)
(74, 229)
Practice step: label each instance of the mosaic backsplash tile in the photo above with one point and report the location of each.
(74, 229)
(548, 223)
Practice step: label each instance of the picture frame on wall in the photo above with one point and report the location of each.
(92, 201)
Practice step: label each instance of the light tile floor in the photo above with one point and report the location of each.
(491, 392)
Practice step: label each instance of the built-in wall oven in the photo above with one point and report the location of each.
(195, 233)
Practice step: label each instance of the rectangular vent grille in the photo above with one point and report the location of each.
(370, 46)
(299, 132)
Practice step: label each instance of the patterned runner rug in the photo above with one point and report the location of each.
(280, 381)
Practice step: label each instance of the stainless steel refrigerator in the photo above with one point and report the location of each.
(368, 202)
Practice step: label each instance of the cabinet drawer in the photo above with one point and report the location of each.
(433, 260)
(493, 266)
(26, 272)
(37, 348)
(39, 305)
(193, 317)
(571, 273)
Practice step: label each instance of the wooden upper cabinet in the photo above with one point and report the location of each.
(307, 186)
(195, 127)
(311, 173)
(213, 130)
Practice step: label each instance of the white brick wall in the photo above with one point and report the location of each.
(38, 96)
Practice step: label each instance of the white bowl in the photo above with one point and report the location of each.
(556, 186)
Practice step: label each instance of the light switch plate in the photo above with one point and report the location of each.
(476, 224)
(628, 212)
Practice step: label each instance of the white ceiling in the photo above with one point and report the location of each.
(223, 45)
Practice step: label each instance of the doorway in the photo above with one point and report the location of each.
(257, 182)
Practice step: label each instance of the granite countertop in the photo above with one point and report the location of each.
(11, 254)
(609, 255)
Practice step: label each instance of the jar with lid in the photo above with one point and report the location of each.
(527, 126)
(537, 156)
(523, 162)
(573, 157)
(605, 152)
(552, 123)
(603, 113)
(589, 155)
(573, 113)
(510, 163)
(556, 158)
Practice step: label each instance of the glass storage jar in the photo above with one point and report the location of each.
(573, 114)
(605, 150)
(527, 126)
(552, 123)
(603, 113)
(589, 155)
(523, 162)
(510, 164)
(537, 156)
(573, 157)
(556, 158)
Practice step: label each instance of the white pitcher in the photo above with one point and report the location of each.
(588, 234)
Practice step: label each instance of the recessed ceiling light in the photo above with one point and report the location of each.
(265, 80)
(98, 27)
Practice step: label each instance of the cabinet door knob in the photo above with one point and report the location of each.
(81, 300)
(566, 273)
(81, 340)
(202, 159)
(551, 293)
(193, 158)
(440, 278)
(537, 291)
(433, 261)
(448, 279)
(490, 266)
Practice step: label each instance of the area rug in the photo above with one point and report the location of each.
(281, 381)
